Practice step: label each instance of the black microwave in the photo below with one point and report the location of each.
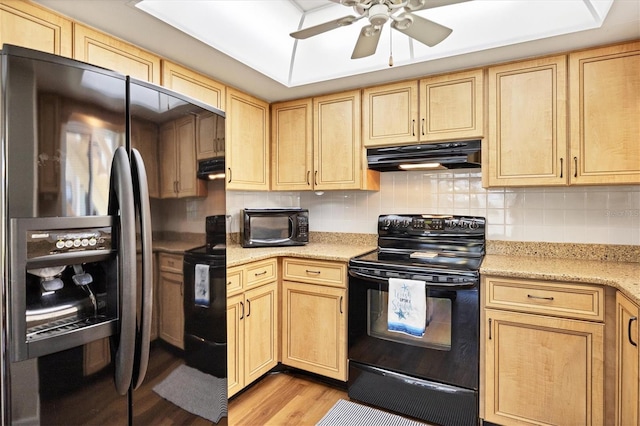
(274, 227)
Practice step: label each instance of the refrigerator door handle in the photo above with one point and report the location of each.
(141, 200)
(121, 204)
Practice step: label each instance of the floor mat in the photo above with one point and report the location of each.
(349, 413)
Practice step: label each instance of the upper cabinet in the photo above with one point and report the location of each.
(247, 136)
(604, 88)
(105, 51)
(24, 24)
(192, 84)
(440, 108)
(527, 133)
(144, 137)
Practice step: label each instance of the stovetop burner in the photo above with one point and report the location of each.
(434, 248)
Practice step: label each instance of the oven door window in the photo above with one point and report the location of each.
(437, 329)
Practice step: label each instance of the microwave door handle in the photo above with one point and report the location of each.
(141, 199)
(121, 203)
(292, 227)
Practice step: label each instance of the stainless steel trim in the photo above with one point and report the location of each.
(121, 203)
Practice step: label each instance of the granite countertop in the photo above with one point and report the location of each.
(236, 255)
(173, 246)
(624, 276)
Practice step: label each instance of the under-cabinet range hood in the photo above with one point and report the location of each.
(211, 168)
(431, 156)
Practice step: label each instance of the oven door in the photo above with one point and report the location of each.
(447, 352)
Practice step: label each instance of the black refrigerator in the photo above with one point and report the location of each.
(76, 247)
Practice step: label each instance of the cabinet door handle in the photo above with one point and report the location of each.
(413, 127)
(248, 308)
(257, 274)
(631, 320)
(308, 271)
(575, 164)
(315, 177)
(341, 298)
(308, 176)
(531, 296)
(242, 310)
(490, 328)
(561, 166)
(229, 168)
(423, 127)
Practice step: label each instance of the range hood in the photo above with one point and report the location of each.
(211, 168)
(431, 156)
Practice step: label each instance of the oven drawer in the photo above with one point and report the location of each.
(568, 300)
(315, 272)
(261, 272)
(170, 263)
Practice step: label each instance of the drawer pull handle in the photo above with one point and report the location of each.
(530, 296)
(631, 320)
(308, 271)
(257, 274)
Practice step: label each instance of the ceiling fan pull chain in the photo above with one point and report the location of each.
(390, 47)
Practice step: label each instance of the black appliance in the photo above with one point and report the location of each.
(274, 227)
(431, 374)
(75, 238)
(444, 155)
(205, 301)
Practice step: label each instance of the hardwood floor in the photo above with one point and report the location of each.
(284, 399)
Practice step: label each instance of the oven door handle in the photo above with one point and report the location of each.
(381, 280)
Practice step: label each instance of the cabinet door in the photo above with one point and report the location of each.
(527, 138)
(543, 370)
(292, 145)
(168, 164)
(105, 51)
(605, 112)
(188, 184)
(314, 329)
(337, 148)
(209, 136)
(390, 114)
(25, 24)
(171, 309)
(193, 84)
(235, 344)
(247, 137)
(627, 406)
(451, 106)
(144, 137)
(260, 331)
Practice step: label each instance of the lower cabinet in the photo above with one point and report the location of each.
(543, 361)
(252, 323)
(314, 317)
(171, 291)
(627, 390)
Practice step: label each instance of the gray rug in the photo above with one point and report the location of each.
(196, 392)
(347, 413)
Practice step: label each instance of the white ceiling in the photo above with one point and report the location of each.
(317, 71)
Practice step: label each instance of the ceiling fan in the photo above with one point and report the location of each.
(378, 12)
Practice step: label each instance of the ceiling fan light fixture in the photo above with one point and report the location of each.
(378, 14)
(402, 21)
(415, 4)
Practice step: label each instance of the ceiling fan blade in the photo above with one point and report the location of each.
(367, 42)
(423, 30)
(327, 26)
(414, 5)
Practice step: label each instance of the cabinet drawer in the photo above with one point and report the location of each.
(580, 301)
(170, 263)
(262, 272)
(315, 272)
(234, 281)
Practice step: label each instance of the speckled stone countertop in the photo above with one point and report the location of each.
(236, 255)
(613, 266)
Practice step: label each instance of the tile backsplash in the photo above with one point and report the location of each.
(584, 214)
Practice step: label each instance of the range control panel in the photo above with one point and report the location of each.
(43, 243)
(417, 224)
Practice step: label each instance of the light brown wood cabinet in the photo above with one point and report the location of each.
(627, 362)
(178, 160)
(252, 322)
(193, 84)
(247, 136)
(314, 316)
(604, 88)
(144, 137)
(210, 138)
(170, 299)
(28, 25)
(543, 361)
(439, 108)
(105, 51)
(527, 125)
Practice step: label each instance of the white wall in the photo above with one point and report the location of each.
(601, 214)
